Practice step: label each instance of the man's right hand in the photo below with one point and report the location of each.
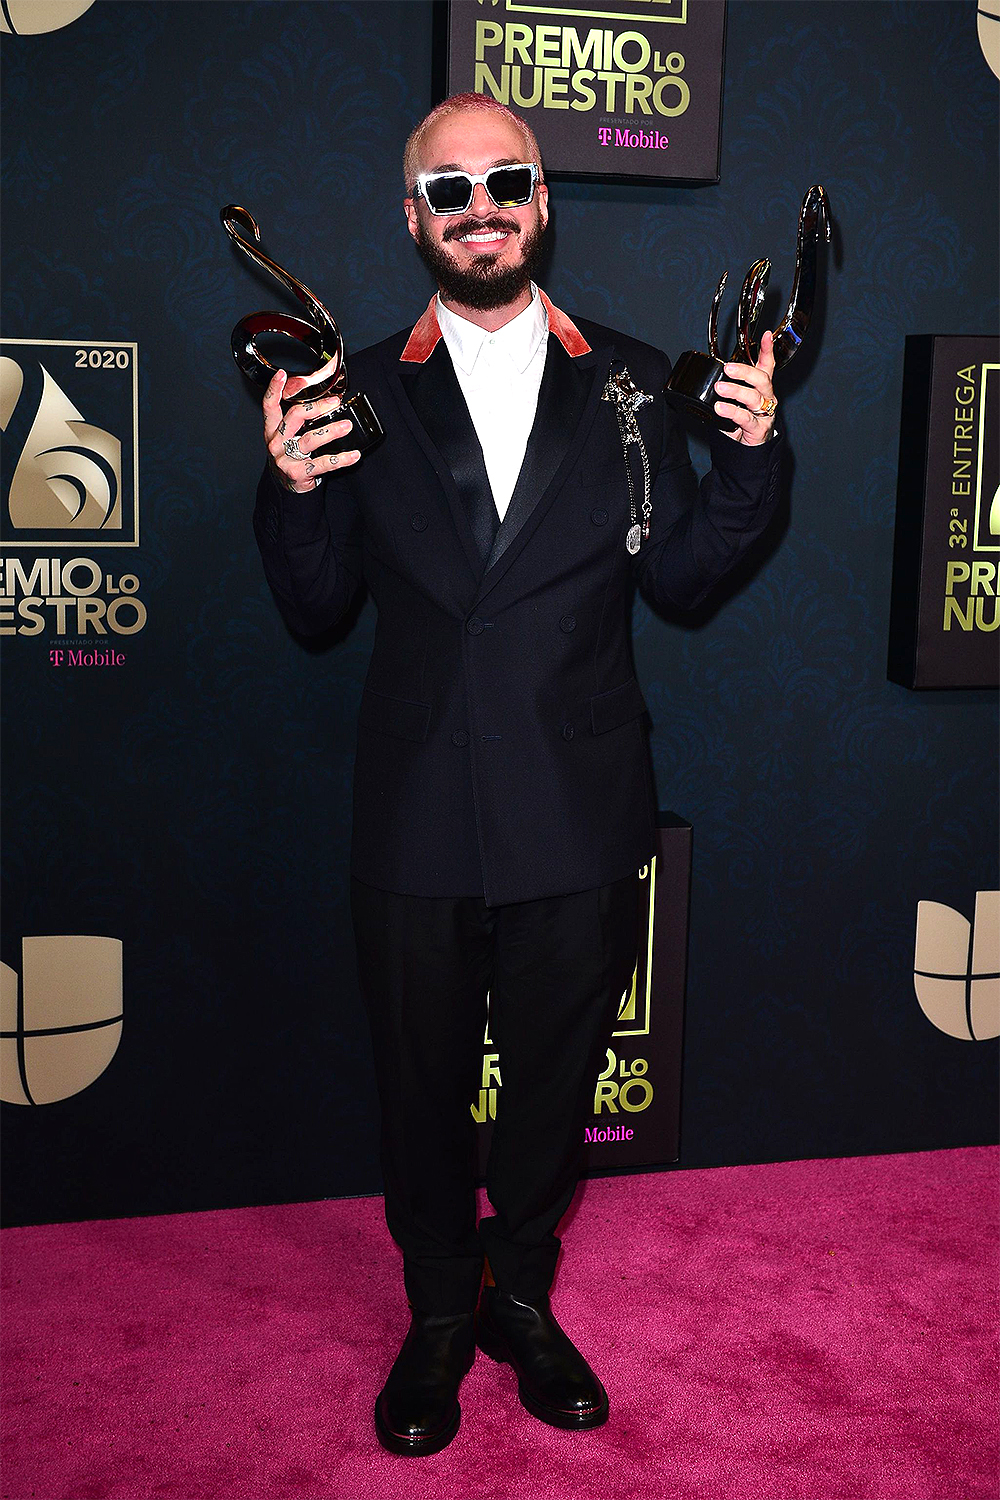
(300, 475)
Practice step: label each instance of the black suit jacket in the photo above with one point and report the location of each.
(502, 744)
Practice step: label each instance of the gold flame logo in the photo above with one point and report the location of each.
(69, 473)
(634, 1007)
(61, 1023)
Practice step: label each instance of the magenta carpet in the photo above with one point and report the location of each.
(818, 1330)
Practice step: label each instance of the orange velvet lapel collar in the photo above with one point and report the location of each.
(426, 333)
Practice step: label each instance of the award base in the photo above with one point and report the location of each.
(366, 429)
(691, 388)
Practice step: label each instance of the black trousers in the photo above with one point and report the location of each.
(555, 971)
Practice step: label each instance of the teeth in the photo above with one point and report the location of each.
(483, 238)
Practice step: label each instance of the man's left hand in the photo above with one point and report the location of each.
(751, 428)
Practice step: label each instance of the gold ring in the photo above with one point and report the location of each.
(767, 408)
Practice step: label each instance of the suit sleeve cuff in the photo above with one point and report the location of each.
(302, 517)
(741, 459)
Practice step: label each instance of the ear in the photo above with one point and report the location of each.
(410, 210)
(542, 193)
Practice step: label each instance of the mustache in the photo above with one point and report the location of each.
(481, 226)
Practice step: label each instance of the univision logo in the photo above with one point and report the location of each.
(30, 17)
(988, 27)
(61, 1021)
(957, 967)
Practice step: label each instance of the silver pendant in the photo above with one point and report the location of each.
(627, 398)
(633, 539)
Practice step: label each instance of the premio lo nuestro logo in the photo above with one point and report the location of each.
(60, 1019)
(68, 419)
(622, 1083)
(69, 441)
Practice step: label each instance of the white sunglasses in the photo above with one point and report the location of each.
(451, 192)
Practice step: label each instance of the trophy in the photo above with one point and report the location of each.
(318, 332)
(691, 387)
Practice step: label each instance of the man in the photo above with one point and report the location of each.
(503, 798)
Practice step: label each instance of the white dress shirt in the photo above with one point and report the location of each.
(500, 374)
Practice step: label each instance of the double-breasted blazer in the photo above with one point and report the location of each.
(502, 738)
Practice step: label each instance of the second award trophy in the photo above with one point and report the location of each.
(318, 332)
(691, 385)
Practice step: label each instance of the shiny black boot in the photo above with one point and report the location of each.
(417, 1410)
(554, 1381)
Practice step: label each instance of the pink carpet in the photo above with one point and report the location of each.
(818, 1330)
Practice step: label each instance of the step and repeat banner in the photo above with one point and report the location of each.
(180, 1023)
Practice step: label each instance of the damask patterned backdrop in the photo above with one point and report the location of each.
(193, 801)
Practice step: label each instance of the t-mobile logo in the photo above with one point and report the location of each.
(644, 140)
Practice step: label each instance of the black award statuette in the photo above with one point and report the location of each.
(318, 332)
(691, 386)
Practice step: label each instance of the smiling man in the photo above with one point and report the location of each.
(503, 794)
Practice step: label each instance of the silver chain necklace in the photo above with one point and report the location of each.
(627, 399)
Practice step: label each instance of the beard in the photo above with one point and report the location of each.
(482, 284)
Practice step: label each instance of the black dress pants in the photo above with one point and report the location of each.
(555, 971)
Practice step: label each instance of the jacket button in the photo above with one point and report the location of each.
(568, 731)
(599, 517)
(418, 522)
(459, 737)
(567, 623)
(474, 626)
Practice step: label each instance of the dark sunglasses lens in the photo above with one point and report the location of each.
(448, 195)
(509, 186)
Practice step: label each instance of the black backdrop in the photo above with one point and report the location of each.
(196, 801)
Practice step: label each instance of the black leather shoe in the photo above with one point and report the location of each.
(554, 1381)
(417, 1410)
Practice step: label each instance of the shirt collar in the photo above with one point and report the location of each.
(518, 339)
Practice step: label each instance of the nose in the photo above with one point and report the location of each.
(481, 203)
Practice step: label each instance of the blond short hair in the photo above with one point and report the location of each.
(452, 106)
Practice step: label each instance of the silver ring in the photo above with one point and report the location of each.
(292, 449)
